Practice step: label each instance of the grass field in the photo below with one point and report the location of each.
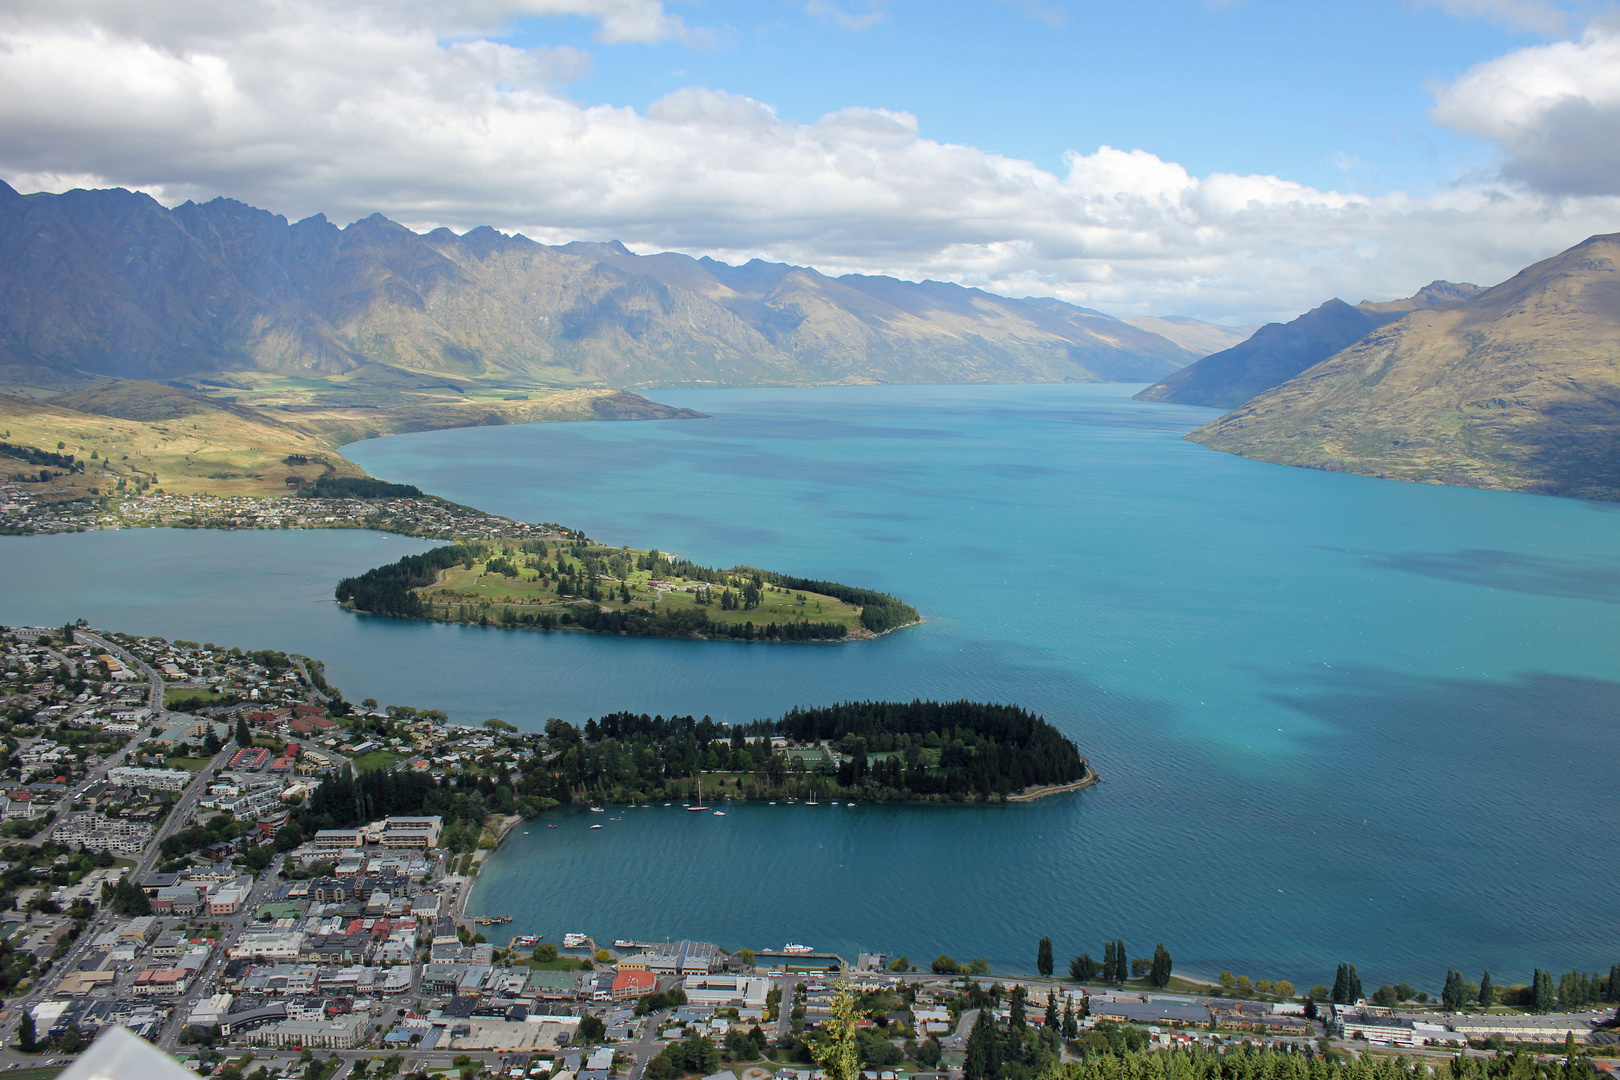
(264, 434)
(377, 759)
(206, 694)
(531, 590)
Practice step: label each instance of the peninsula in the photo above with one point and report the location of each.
(875, 751)
(571, 583)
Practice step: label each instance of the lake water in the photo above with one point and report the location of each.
(1338, 718)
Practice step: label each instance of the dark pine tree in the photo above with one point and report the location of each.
(1487, 992)
(1542, 991)
(1341, 985)
(982, 1060)
(244, 737)
(1043, 957)
(1451, 995)
(1108, 961)
(1160, 975)
(1355, 984)
(1122, 965)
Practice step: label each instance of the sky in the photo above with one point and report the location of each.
(1234, 160)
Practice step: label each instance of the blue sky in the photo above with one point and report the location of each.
(1330, 94)
(1232, 160)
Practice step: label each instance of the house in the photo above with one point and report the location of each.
(634, 984)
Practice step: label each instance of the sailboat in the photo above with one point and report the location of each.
(697, 806)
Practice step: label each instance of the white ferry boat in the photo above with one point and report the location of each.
(576, 941)
(797, 950)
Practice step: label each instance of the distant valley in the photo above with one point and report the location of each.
(1279, 351)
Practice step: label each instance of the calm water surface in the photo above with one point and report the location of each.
(1339, 718)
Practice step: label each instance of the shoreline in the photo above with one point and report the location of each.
(1029, 795)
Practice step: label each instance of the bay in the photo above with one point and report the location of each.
(1338, 718)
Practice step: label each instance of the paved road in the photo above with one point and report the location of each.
(964, 1025)
(647, 1047)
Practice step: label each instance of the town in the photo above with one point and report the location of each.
(26, 511)
(162, 882)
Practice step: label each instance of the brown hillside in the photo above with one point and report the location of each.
(1516, 388)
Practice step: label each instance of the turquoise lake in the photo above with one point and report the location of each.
(1338, 718)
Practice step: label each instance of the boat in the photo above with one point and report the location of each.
(773, 803)
(797, 950)
(551, 826)
(525, 832)
(811, 802)
(597, 810)
(719, 813)
(492, 920)
(526, 941)
(596, 826)
(623, 943)
(699, 807)
(849, 804)
(576, 941)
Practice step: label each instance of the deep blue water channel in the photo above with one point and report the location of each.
(1338, 718)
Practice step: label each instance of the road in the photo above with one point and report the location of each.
(647, 1047)
(134, 663)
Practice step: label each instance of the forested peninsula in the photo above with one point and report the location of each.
(875, 751)
(575, 584)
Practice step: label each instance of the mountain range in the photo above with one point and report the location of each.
(1279, 351)
(110, 283)
(1517, 386)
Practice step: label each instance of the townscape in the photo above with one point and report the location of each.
(162, 882)
(26, 510)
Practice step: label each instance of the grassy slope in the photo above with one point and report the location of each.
(235, 441)
(210, 449)
(461, 586)
(1516, 388)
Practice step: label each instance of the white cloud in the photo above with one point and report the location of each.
(831, 12)
(1553, 109)
(302, 106)
(1537, 16)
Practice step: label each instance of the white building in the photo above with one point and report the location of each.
(724, 990)
(157, 779)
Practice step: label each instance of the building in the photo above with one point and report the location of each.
(1266, 1023)
(633, 984)
(338, 1033)
(336, 839)
(271, 946)
(412, 832)
(726, 990)
(167, 982)
(677, 958)
(1550, 1028)
(156, 779)
(1389, 1030)
(177, 900)
(228, 900)
(1149, 1012)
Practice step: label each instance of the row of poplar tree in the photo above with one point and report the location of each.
(1116, 964)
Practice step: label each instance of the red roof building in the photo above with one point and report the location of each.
(633, 984)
